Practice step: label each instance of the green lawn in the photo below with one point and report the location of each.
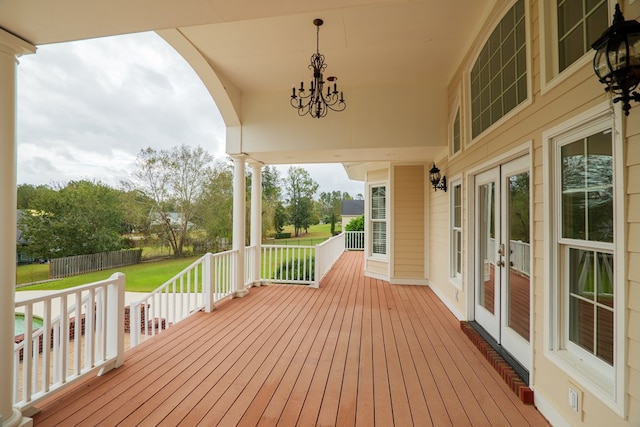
(143, 277)
(148, 276)
(317, 234)
(32, 273)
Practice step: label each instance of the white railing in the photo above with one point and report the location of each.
(82, 333)
(327, 253)
(354, 240)
(288, 264)
(198, 287)
(520, 256)
(249, 258)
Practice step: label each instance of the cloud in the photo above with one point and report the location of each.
(85, 110)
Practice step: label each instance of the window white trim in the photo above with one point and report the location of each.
(550, 76)
(456, 111)
(607, 386)
(371, 220)
(454, 277)
(468, 129)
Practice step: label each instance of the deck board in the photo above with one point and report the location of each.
(357, 351)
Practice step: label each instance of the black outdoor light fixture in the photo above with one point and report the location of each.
(316, 102)
(617, 59)
(437, 182)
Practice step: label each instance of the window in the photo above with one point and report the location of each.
(378, 221)
(586, 243)
(499, 75)
(586, 252)
(456, 232)
(455, 133)
(580, 23)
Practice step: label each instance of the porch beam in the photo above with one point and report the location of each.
(10, 48)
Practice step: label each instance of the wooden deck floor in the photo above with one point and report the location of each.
(357, 351)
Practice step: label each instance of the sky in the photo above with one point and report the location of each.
(87, 108)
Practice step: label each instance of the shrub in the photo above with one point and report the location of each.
(296, 269)
(282, 235)
(356, 224)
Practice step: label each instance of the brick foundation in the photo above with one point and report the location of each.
(515, 383)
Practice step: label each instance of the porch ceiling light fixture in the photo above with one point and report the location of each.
(617, 59)
(437, 182)
(316, 102)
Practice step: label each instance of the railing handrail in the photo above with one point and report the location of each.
(98, 314)
(181, 273)
(164, 306)
(61, 292)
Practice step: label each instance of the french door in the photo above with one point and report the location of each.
(502, 256)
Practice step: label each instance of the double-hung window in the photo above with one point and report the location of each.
(378, 221)
(585, 256)
(585, 244)
(456, 232)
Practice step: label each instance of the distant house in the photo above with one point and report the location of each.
(351, 209)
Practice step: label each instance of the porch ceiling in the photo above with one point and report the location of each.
(258, 49)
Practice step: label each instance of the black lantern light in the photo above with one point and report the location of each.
(617, 59)
(437, 182)
(316, 102)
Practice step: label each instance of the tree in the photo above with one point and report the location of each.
(273, 215)
(27, 193)
(214, 210)
(136, 207)
(331, 204)
(356, 224)
(83, 217)
(300, 189)
(279, 218)
(174, 179)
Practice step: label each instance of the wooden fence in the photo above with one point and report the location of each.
(80, 264)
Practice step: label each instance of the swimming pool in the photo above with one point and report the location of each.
(37, 322)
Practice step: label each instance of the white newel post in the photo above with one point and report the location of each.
(115, 322)
(239, 221)
(10, 48)
(256, 220)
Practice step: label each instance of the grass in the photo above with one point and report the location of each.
(148, 276)
(32, 273)
(317, 234)
(143, 277)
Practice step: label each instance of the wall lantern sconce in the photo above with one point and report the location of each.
(437, 182)
(617, 59)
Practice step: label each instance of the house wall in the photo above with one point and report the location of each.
(408, 226)
(633, 286)
(438, 252)
(550, 103)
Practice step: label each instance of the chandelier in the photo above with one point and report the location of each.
(316, 102)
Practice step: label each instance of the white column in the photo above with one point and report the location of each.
(10, 48)
(256, 219)
(239, 222)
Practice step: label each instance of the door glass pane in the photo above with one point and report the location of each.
(487, 245)
(518, 281)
